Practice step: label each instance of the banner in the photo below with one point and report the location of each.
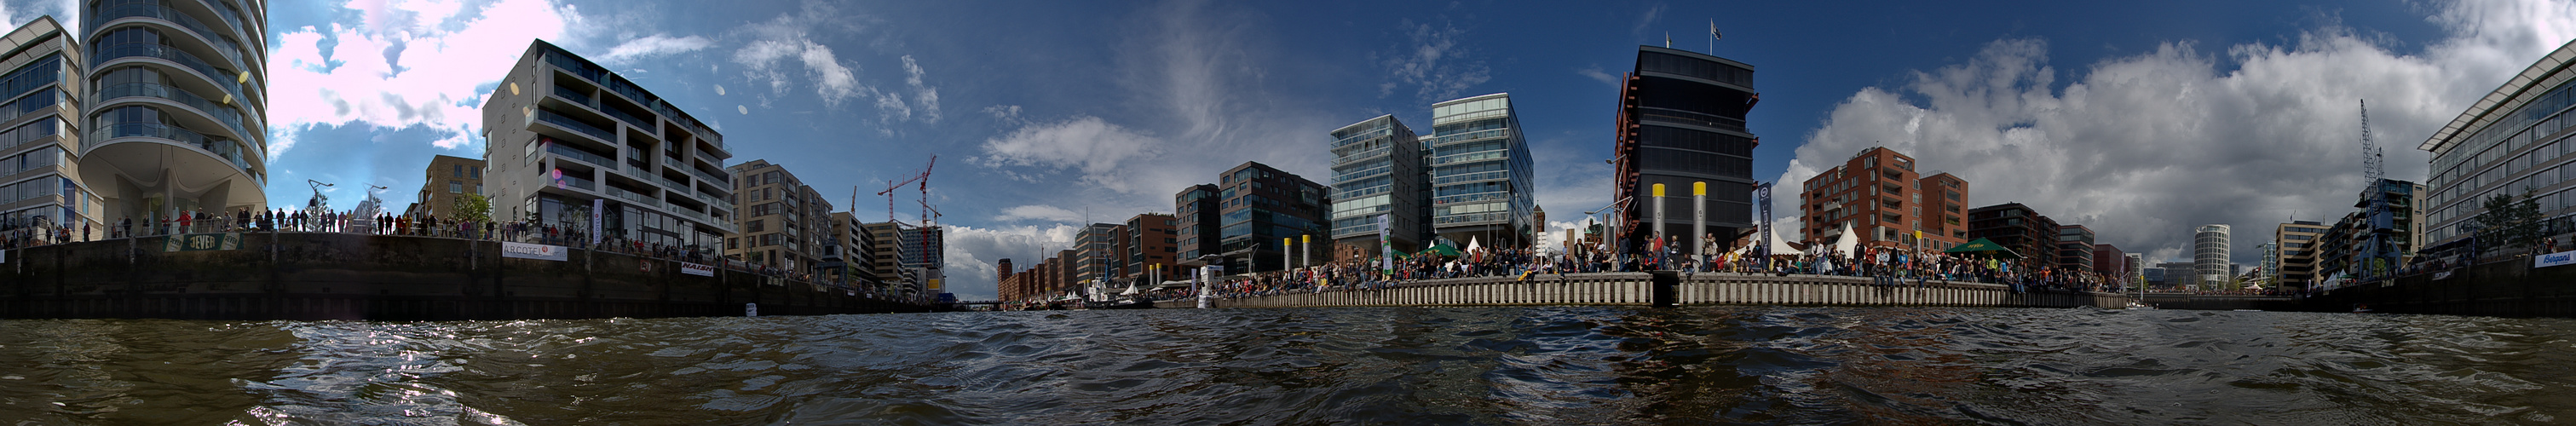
(534, 251)
(697, 269)
(2554, 259)
(201, 242)
(1385, 249)
(596, 206)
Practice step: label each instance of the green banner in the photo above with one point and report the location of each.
(201, 242)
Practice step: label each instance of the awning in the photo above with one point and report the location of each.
(1984, 247)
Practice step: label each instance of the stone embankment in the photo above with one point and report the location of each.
(1667, 289)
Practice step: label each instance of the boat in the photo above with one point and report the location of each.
(2135, 305)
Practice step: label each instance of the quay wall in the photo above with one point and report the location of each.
(2511, 288)
(1642, 289)
(317, 276)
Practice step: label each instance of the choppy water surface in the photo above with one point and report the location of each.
(1551, 365)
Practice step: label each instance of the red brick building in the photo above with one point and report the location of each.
(1878, 193)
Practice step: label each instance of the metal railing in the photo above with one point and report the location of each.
(221, 78)
(1472, 177)
(1356, 157)
(585, 156)
(229, 115)
(717, 178)
(1470, 157)
(1363, 173)
(1480, 134)
(558, 119)
(1470, 198)
(220, 147)
(631, 196)
(224, 43)
(573, 181)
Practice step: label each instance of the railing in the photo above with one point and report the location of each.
(1472, 177)
(172, 54)
(1363, 173)
(631, 196)
(713, 200)
(585, 156)
(1355, 157)
(1473, 217)
(558, 119)
(1470, 157)
(637, 170)
(1363, 192)
(711, 159)
(576, 96)
(221, 148)
(574, 181)
(718, 179)
(1470, 198)
(1363, 136)
(223, 42)
(621, 115)
(228, 115)
(1480, 134)
(670, 184)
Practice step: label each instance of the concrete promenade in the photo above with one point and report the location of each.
(1641, 289)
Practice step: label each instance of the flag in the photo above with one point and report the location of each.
(1712, 30)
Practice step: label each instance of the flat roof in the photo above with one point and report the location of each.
(2512, 95)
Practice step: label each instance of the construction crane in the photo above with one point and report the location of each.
(929, 216)
(2377, 257)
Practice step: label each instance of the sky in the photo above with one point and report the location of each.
(2136, 119)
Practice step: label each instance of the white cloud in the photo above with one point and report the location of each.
(2140, 148)
(973, 254)
(1037, 212)
(409, 63)
(1434, 63)
(1089, 145)
(1595, 73)
(923, 96)
(656, 45)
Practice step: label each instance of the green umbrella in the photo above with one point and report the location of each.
(1984, 247)
(1442, 250)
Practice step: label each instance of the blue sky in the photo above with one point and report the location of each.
(2139, 119)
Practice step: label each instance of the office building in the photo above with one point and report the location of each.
(1095, 254)
(783, 223)
(444, 184)
(1480, 173)
(849, 252)
(1377, 177)
(2137, 266)
(1256, 205)
(40, 147)
(1195, 209)
(2109, 261)
(2210, 247)
(2074, 248)
(2510, 142)
(2018, 228)
(1681, 121)
(569, 141)
(890, 253)
(2299, 247)
(1151, 249)
(177, 106)
(2341, 248)
(1877, 193)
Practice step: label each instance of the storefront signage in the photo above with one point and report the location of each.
(2554, 259)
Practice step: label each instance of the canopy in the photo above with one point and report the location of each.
(1848, 244)
(1471, 244)
(1442, 250)
(1984, 247)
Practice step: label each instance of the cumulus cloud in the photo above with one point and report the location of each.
(405, 64)
(1433, 62)
(1086, 144)
(973, 254)
(2143, 147)
(1595, 73)
(656, 45)
(1037, 212)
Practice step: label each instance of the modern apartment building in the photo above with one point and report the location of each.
(1151, 248)
(908, 257)
(1879, 196)
(1681, 121)
(2075, 248)
(1195, 209)
(569, 141)
(2514, 141)
(40, 147)
(1255, 205)
(2018, 228)
(1480, 173)
(2300, 243)
(783, 223)
(1096, 254)
(1377, 171)
(2108, 260)
(2341, 249)
(849, 254)
(444, 184)
(176, 108)
(2210, 246)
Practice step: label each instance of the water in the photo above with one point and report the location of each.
(1541, 365)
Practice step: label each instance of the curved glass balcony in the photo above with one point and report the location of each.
(223, 43)
(227, 114)
(227, 80)
(220, 147)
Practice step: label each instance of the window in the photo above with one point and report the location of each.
(476, 171)
(455, 186)
(757, 226)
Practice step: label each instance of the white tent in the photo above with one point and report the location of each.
(1471, 244)
(1848, 243)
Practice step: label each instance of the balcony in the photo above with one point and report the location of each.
(563, 150)
(227, 80)
(1472, 177)
(230, 116)
(222, 41)
(1363, 173)
(1471, 198)
(559, 120)
(667, 183)
(1470, 157)
(1356, 157)
(632, 197)
(1372, 134)
(718, 179)
(573, 180)
(1470, 218)
(1475, 135)
(220, 147)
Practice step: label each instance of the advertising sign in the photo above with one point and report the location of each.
(534, 251)
(2554, 259)
(697, 269)
(201, 242)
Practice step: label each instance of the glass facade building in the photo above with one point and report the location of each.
(1681, 121)
(1377, 170)
(176, 115)
(563, 135)
(2515, 141)
(39, 144)
(1480, 172)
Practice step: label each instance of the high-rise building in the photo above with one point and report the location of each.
(2210, 246)
(40, 146)
(850, 253)
(890, 252)
(784, 223)
(444, 185)
(2511, 142)
(176, 107)
(2177, 275)
(2299, 248)
(2075, 248)
(2136, 268)
(2110, 261)
(1095, 253)
(1151, 248)
(1681, 121)
(1256, 205)
(1878, 195)
(1196, 209)
(1377, 171)
(569, 141)
(1480, 173)
(2018, 228)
